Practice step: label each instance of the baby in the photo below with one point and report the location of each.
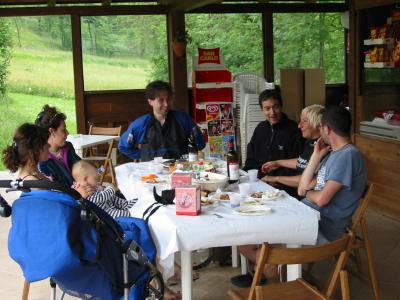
(104, 197)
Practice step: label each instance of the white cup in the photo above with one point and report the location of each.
(158, 159)
(252, 175)
(234, 200)
(244, 189)
(158, 168)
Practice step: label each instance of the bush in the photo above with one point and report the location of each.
(5, 53)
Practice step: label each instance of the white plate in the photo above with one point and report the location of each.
(216, 196)
(253, 210)
(266, 197)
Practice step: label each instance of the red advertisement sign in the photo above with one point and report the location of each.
(209, 56)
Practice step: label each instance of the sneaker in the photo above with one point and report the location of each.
(244, 281)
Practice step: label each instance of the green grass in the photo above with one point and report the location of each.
(39, 67)
(21, 108)
(41, 73)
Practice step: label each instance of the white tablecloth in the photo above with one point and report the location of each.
(290, 222)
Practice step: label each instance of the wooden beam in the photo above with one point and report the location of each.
(361, 4)
(63, 2)
(274, 7)
(188, 5)
(78, 73)
(85, 10)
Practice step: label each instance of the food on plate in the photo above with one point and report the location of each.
(152, 181)
(204, 193)
(251, 202)
(203, 166)
(172, 168)
(148, 177)
(210, 181)
(206, 202)
(224, 197)
(268, 194)
(256, 195)
(271, 193)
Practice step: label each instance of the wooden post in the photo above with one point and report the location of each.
(78, 73)
(177, 65)
(268, 46)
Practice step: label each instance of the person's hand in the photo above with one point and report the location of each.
(321, 149)
(270, 179)
(84, 189)
(269, 166)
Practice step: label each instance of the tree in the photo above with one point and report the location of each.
(5, 54)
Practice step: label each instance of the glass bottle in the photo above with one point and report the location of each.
(232, 163)
(192, 146)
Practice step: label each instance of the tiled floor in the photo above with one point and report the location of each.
(214, 280)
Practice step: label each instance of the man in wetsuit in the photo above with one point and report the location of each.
(164, 132)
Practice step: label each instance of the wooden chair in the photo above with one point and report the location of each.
(103, 154)
(25, 290)
(298, 289)
(361, 241)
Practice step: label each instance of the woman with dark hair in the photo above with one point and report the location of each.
(62, 156)
(28, 147)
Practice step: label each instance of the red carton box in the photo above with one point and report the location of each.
(180, 179)
(187, 200)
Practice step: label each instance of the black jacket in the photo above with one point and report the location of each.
(280, 141)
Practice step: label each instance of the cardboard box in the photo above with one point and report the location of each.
(292, 89)
(314, 87)
(301, 88)
(187, 200)
(179, 179)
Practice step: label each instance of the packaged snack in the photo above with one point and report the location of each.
(392, 116)
(180, 179)
(382, 54)
(367, 56)
(384, 31)
(374, 32)
(396, 15)
(187, 200)
(396, 54)
(374, 55)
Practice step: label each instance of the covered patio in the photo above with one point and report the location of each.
(120, 107)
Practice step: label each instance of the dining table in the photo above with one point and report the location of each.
(84, 141)
(286, 221)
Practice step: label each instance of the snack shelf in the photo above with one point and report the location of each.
(378, 65)
(388, 41)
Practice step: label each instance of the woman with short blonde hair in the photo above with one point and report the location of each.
(310, 120)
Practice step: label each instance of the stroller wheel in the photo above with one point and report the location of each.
(155, 287)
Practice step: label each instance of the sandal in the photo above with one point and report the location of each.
(171, 295)
(176, 279)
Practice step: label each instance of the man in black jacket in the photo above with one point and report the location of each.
(275, 138)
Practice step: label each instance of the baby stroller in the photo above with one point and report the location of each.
(55, 233)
